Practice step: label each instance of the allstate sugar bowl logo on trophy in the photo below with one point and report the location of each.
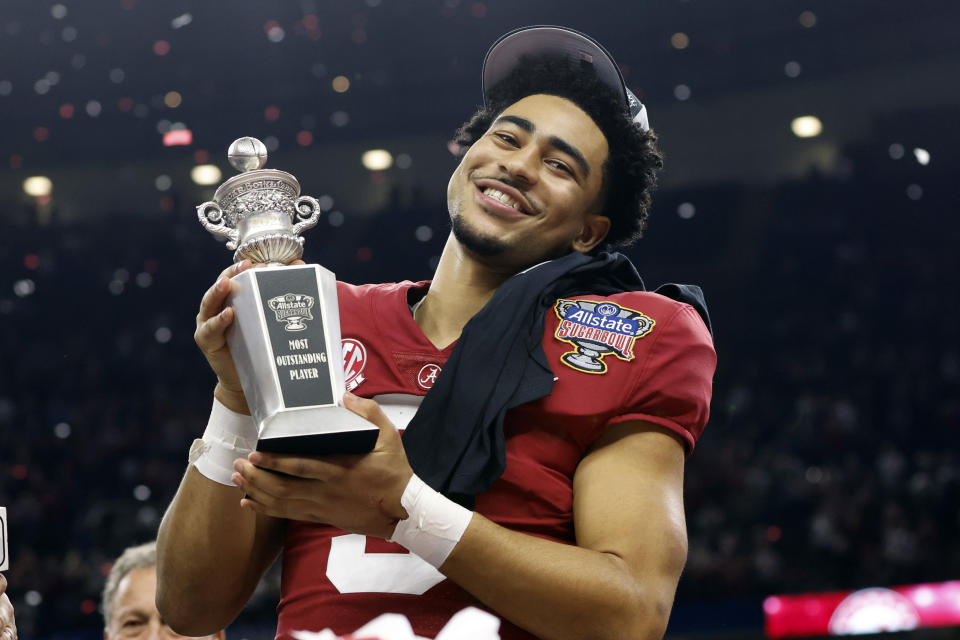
(292, 308)
(598, 329)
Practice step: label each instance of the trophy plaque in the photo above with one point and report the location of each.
(285, 337)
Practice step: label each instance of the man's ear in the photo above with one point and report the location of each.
(595, 229)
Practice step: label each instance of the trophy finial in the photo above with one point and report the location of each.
(247, 154)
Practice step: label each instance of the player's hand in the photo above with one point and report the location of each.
(213, 320)
(8, 626)
(356, 493)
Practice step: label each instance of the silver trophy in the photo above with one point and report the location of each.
(285, 338)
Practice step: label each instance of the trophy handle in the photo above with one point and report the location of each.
(211, 217)
(307, 212)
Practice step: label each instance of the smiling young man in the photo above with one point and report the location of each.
(541, 476)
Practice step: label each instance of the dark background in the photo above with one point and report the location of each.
(829, 263)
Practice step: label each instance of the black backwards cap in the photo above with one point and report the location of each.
(506, 52)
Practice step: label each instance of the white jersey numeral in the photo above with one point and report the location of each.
(352, 570)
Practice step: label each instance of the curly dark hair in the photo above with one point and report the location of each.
(630, 172)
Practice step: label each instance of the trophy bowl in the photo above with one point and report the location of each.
(260, 211)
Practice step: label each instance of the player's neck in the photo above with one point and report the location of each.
(461, 286)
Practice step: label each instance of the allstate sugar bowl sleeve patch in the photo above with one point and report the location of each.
(597, 329)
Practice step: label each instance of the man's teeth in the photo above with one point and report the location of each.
(502, 197)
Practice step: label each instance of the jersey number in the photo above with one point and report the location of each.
(352, 570)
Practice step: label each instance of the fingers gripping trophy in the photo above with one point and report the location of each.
(285, 339)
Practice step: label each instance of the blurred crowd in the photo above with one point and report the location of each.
(830, 461)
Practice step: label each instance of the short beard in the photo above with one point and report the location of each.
(481, 245)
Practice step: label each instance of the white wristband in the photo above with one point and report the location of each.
(229, 435)
(435, 523)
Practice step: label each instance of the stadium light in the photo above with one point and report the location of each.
(205, 174)
(377, 159)
(178, 137)
(806, 126)
(38, 186)
(341, 84)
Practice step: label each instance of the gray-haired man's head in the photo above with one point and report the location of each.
(129, 598)
(143, 556)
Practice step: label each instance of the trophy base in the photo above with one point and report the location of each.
(317, 431)
(584, 362)
(356, 442)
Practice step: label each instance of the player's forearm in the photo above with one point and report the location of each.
(210, 556)
(557, 591)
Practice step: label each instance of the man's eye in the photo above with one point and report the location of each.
(556, 164)
(506, 137)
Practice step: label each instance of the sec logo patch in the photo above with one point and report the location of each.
(428, 375)
(354, 360)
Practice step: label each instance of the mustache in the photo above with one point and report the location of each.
(507, 180)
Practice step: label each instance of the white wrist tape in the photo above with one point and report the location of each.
(229, 435)
(435, 523)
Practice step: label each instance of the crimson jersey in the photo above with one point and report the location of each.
(629, 356)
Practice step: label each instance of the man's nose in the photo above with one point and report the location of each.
(157, 630)
(522, 164)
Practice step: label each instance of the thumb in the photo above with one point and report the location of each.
(368, 410)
